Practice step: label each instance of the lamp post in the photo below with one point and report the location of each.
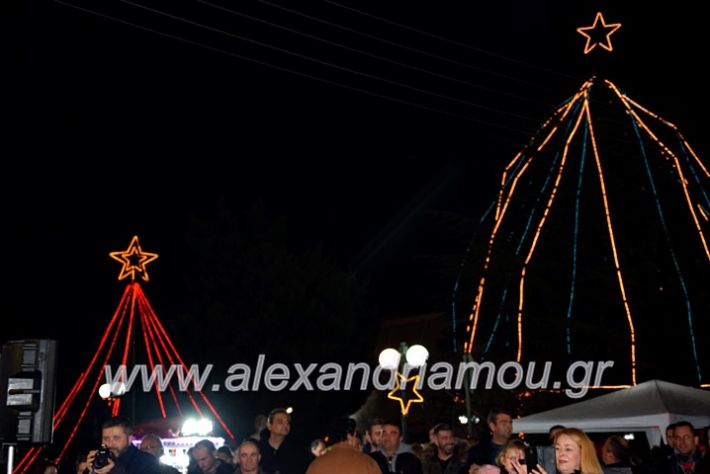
(109, 392)
(415, 357)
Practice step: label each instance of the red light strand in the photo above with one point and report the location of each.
(92, 392)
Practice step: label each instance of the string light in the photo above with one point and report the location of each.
(473, 316)
(522, 163)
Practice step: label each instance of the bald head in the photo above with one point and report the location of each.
(152, 444)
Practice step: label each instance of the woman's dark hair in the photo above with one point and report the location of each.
(619, 447)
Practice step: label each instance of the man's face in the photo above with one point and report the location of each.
(376, 434)
(446, 442)
(204, 458)
(249, 458)
(502, 428)
(152, 446)
(670, 438)
(391, 437)
(280, 424)
(115, 439)
(684, 440)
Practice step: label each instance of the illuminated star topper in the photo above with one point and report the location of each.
(405, 405)
(134, 259)
(598, 34)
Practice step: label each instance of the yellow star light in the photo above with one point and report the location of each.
(134, 259)
(596, 32)
(405, 405)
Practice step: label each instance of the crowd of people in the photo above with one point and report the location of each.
(380, 449)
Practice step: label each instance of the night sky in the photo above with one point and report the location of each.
(361, 127)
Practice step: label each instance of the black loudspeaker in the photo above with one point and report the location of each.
(27, 386)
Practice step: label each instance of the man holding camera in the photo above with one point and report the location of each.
(117, 454)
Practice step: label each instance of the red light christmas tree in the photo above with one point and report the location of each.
(133, 314)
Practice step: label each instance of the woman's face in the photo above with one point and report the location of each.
(510, 455)
(567, 454)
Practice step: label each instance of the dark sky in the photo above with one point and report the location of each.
(354, 127)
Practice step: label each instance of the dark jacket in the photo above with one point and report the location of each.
(134, 461)
(483, 453)
(404, 463)
(432, 465)
(682, 464)
(289, 458)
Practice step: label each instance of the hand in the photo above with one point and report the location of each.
(539, 470)
(473, 469)
(104, 470)
(90, 460)
(519, 468)
(107, 468)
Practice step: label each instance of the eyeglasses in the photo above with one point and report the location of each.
(684, 437)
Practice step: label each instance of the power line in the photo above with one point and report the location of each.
(372, 55)
(447, 40)
(409, 48)
(290, 71)
(326, 63)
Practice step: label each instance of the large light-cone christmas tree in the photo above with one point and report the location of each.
(598, 245)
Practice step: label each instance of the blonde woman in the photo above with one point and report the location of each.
(574, 454)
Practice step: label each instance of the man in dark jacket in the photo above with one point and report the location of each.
(391, 457)
(124, 458)
(279, 453)
(687, 455)
(445, 459)
(500, 424)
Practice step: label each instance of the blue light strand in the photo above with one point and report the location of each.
(676, 265)
(514, 172)
(575, 240)
(528, 225)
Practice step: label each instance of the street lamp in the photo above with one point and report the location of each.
(109, 392)
(391, 359)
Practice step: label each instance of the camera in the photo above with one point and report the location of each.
(102, 457)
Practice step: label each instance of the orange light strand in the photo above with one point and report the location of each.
(473, 316)
(681, 177)
(541, 224)
(617, 266)
(627, 100)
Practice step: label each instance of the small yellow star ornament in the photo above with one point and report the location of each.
(405, 405)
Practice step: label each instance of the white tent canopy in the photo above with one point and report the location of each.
(648, 407)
